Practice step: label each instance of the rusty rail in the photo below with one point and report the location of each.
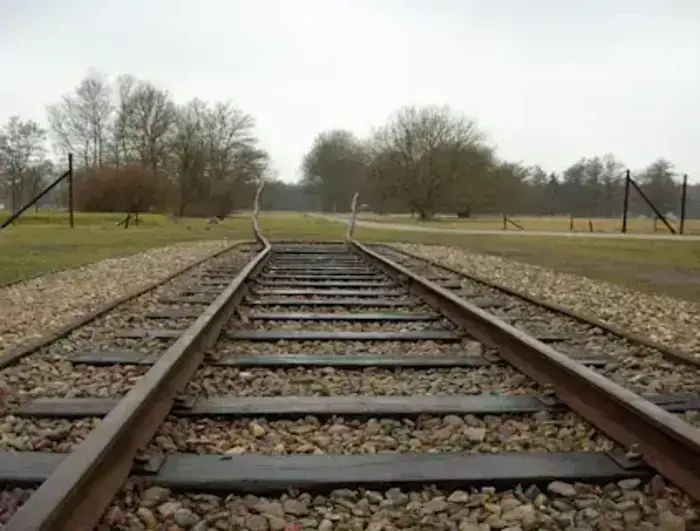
(75, 495)
(664, 441)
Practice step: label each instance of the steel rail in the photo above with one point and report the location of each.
(74, 497)
(664, 441)
(678, 356)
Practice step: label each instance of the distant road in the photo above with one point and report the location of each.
(419, 228)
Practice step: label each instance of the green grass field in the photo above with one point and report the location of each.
(538, 223)
(36, 245)
(46, 243)
(656, 266)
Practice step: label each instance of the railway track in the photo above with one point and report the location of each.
(637, 363)
(329, 387)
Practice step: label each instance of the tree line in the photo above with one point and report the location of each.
(135, 150)
(428, 160)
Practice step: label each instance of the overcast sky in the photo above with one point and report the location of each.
(548, 80)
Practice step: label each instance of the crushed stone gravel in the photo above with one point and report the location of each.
(38, 306)
(418, 308)
(542, 431)
(215, 381)
(341, 326)
(418, 348)
(666, 320)
(47, 373)
(639, 368)
(43, 435)
(11, 500)
(37, 377)
(627, 505)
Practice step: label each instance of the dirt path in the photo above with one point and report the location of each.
(524, 233)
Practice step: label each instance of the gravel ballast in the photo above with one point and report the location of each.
(542, 431)
(48, 373)
(641, 369)
(43, 435)
(626, 505)
(669, 321)
(11, 500)
(38, 306)
(39, 377)
(339, 348)
(342, 326)
(422, 308)
(215, 381)
(268, 299)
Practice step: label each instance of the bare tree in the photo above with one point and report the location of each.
(422, 159)
(21, 150)
(188, 152)
(146, 118)
(659, 182)
(429, 153)
(208, 152)
(335, 167)
(120, 147)
(37, 177)
(229, 132)
(235, 161)
(214, 155)
(80, 122)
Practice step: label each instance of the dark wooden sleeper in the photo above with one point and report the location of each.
(266, 474)
(364, 406)
(283, 361)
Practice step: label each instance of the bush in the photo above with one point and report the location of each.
(130, 188)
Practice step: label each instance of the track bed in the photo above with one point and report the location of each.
(322, 387)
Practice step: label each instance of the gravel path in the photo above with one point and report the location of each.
(37, 306)
(327, 381)
(627, 505)
(663, 319)
(498, 232)
(434, 434)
